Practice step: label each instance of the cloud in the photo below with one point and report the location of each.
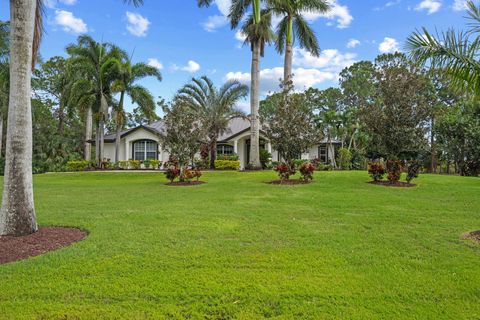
(330, 59)
(339, 13)
(459, 5)
(352, 43)
(431, 6)
(53, 3)
(137, 24)
(388, 5)
(69, 22)
(215, 22)
(191, 67)
(389, 45)
(155, 63)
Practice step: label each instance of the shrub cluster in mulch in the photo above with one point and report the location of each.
(185, 183)
(289, 182)
(474, 235)
(44, 240)
(397, 184)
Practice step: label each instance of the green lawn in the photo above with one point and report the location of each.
(237, 248)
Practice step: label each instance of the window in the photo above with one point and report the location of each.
(145, 150)
(323, 154)
(224, 150)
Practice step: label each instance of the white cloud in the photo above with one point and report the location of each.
(155, 63)
(431, 6)
(69, 22)
(191, 67)
(388, 5)
(137, 24)
(330, 59)
(352, 43)
(53, 3)
(240, 36)
(214, 22)
(459, 5)
(389, 45)
(339, 13)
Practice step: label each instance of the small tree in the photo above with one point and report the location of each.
(183, 134)
(290, 126)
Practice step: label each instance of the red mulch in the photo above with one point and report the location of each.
(474, 235)
(397, 184)
(185, 184)
(288, 182)
(44, 240)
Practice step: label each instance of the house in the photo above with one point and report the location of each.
(144, 142)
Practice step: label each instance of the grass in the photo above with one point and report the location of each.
(237, 248)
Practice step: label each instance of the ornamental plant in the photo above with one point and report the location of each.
(413, 170)
(394, 170)
(284, 171)
(172, 173)
(376, 170)
(307, 170)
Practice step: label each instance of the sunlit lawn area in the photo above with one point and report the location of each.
(238, 248)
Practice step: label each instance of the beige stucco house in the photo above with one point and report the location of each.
(144, 142)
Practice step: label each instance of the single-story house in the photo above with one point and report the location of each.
(144, 142)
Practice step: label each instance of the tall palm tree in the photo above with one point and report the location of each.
(215, 107)
(238, 10)
(101, 63)
(17, 214)
(454, 53)
(125, 84)
(294, 26)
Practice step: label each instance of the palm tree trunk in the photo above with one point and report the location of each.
(119, 127)
(101, 140)
(97, 142)
(17, 214)
(1, 136)
(213, 153)
(254, 160)
(287, 76)
(433, 165)
(88, 134)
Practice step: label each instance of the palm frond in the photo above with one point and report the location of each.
(306, 36)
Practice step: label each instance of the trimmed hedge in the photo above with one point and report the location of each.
(227, 164)
(82, 165)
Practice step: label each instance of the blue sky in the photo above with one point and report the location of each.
(185, 41)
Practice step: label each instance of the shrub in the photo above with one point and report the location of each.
(265, 158)
(394, 170)
(359, 162)
(155, 164)
(307, 170)
(227, 164)
(284, 171)
(172, 173)
(376, 170)
(191, 174)
(134, 164)
(82, 165)
(413, 170)
(232, 157)
(122, 165)
(344, 159)
(147, 163)
(202, 164)
(299, 162)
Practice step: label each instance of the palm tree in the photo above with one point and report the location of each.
(294, 26)
(454, 53)
(238, 11)
(215, 107)
(101, 63)
(17, 214)
(125, 84)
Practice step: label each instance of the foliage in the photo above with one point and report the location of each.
(123, 164)
(172, 173)
(134, 164)
(233, 156)
(202, 164)
(394, 170)
(192, 174)
(265, 158)
(344, 159)
(285, 171)
(307, 170)
(376, 170)
(359, 162)
(413, 170)
(155, 164)
(82, 165)
(227, 164)
(291, 128)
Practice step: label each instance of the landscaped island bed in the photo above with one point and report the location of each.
(237, 247)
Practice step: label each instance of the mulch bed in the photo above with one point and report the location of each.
(44, 240)
(474, 235)
(288, 182)
(397, 184)
(185, 184)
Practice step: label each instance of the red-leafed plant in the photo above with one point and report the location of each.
(284, 171)
(394, 170)
(307, 170)
(376, 170)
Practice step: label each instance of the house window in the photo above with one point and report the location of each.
(145, 150)
(225, 150)
(323, 153)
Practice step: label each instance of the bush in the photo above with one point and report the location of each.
(172, 173)
(307, 170)
(232, 157)
(285, 171)
(376, 170)
(394, 170)
(122, 165)
(192, 173)
(344, 159)
(413, 170)
(134, 164)
(202, 164)
(155, 164)
(147, 163)
(359, 162)
(299, 162)
(227, 164)
(265, 158)
(82, 165)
